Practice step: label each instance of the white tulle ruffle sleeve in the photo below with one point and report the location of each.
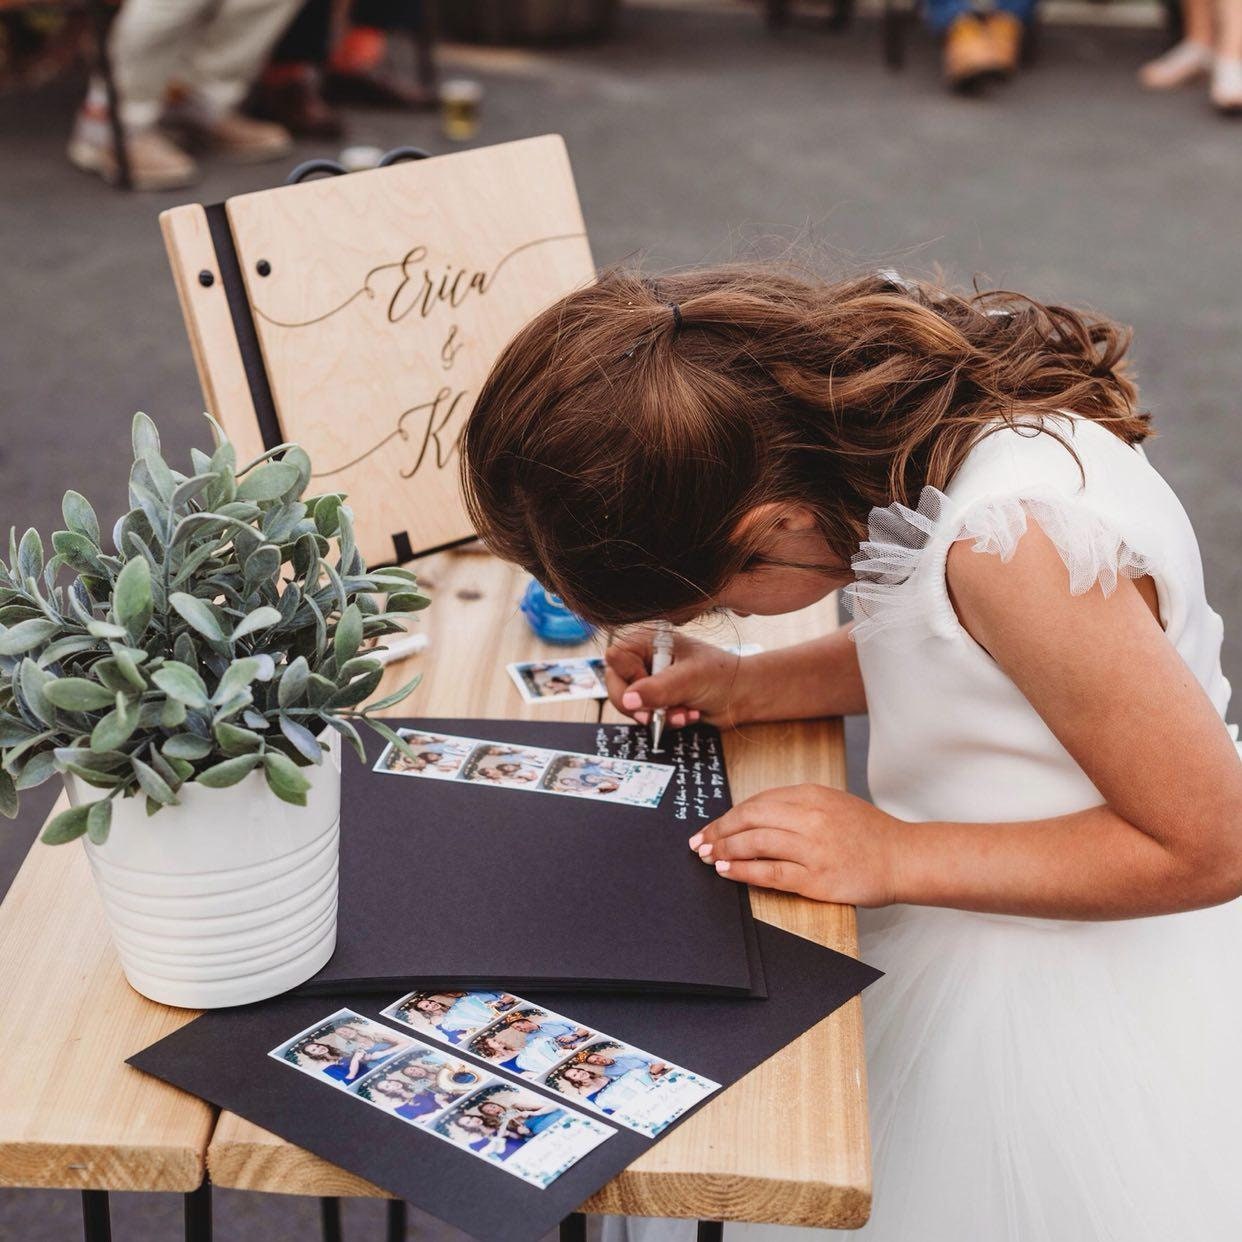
(900, 589)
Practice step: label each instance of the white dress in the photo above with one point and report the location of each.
(1033, 1080)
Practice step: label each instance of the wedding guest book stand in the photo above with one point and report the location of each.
(358, 315)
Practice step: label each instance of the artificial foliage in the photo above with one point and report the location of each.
(228, 627)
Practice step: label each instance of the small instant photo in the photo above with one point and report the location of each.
(341, 1048)
(514, 767)
(419, 1083)
(451, 1016)
(629, 1086)
(528, 1135)
(543, 681)
(529, 1041)
(608, 780)
(436, 755)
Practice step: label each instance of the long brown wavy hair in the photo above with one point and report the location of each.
(625, 432)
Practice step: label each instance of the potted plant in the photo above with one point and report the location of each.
(192, 687)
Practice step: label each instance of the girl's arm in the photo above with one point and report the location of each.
(1112, 688)
(815, 678)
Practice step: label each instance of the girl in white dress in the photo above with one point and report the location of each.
(1051, 864)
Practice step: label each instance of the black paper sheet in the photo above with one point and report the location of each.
(222, 1057)
(444, 883)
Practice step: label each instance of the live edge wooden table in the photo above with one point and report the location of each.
(788, 1144)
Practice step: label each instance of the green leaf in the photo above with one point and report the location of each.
(131, 597)
(153, 784)
(77, 550)
(327, 515)
(13, 731)
(392, 736)
(99, 821)
(78, 694)
(285, 778)
(30, 684)
(346, 729)
(172, 714)
(30, 555)
(13, 753)
(67, 826)
(187, 746)
(269, 481)
(117, 727)
(38, 768)
(407, 601)
(227, 773)
(348, 634)
(391, 700)
(105, 629)
(302, 739)
(80, 517)
(26, 635)
(8, 796)
(234, 740)
(357, 691)
(198, 614)
(237, 678)
(292, 684)
(63, 648)
(296, 457)
(185, 492)
(182, 683)
(144, 437)
(260, 619)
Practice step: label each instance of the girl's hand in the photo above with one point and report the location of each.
(806, 839)
(702, 683)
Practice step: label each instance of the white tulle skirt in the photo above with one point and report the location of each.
(1035, 1080)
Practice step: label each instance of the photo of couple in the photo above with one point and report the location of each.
(418, 1083)
(542, 681)
(529, 1041)
(451, 1016)
(342, 1048)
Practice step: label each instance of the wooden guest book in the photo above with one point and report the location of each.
(358, 315)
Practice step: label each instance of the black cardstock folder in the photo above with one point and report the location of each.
(222, 1057)
(445, 883)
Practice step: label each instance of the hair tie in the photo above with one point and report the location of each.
(676, 317)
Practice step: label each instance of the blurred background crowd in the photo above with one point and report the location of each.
(242, 79)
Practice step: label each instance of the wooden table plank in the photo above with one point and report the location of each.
(789, 1142)
(72, 1114)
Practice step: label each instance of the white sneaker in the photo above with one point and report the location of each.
(1182, 64)
(1227, 85)
(155, 163)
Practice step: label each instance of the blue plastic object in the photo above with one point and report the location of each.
(550, 619)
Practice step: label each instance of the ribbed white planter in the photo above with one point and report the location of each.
(229, 897)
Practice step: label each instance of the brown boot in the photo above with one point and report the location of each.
(291, 96)
(1006, 33)
(155, 163)
(971, 57)
(234, 136)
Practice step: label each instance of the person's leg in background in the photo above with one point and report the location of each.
(224, 63)
(290, 90)
(1227, 71)
(149, 44)
(970, 57)
(1190, 59)
(1007, 26)
(357, 73)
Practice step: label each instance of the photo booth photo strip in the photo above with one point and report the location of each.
(557, 681)
(522, 1132)
(439, 756)
(606, 1075)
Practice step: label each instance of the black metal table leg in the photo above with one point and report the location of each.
(711, 1231)
(198, 1213)
(96, 1219)
(573, 1228)
(396, 1220)
(103, 61)
(330, 1219)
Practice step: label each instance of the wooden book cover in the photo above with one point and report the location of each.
(364, 312)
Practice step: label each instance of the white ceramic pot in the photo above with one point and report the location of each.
(227, 898)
